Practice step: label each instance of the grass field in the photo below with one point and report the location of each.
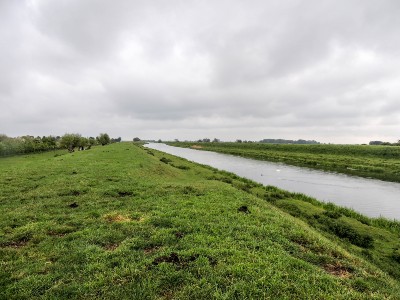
(124, 222)
(380, 162)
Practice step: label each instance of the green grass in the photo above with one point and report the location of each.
(380, 162)
(123, 222)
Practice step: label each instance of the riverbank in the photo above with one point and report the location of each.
(379, 162)
(294, 204)
(121, 221)
(358, 193)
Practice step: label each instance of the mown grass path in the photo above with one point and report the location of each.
(123, 222)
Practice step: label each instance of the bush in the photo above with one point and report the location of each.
(26, 144)
(70, 141)
(104, 139)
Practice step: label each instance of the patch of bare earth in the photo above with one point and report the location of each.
(180, 261)
(111, 247)
(150, 250)
(337, 270)
(16, 244)
(167, 295)
(196, 147)
(117, 218)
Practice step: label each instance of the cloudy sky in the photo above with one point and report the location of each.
(315, 69)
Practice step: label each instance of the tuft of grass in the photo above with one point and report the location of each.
(165, 160)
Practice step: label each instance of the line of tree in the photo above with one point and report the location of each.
(380, 143)
(267, 141)
(70, 141)
(283, 141)
(205, 140)
(27, 144)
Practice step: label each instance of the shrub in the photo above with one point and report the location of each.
(104, 139)
(70, 141)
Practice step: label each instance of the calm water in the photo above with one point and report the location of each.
(371, 197)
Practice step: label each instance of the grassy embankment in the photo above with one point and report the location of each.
(122, 222)
(380, 162)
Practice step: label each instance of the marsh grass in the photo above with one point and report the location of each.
(109, 223)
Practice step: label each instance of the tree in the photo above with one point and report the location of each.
(91, 141)
(50, 142)
(83, 142)
(27, 144)
(3, 137)
(104, 139)
(70, 141)
(117, 140)
(136, 139)
(215, 140)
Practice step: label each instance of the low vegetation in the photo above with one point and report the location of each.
(380, 162)
(123, 222)
(71, 141)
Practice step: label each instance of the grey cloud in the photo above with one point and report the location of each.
(281, 69)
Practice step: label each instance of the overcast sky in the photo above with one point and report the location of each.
(315, 69)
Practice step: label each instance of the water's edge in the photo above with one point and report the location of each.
(371, 197)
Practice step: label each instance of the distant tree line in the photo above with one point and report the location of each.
(384, 143)
(268, 141)
(205, 140)
(69, 141)
(283, 141)
(243, 141)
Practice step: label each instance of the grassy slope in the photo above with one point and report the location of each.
(380, 162)
(115, 222)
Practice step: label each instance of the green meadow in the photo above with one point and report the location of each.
(379, 162)
(125, 222)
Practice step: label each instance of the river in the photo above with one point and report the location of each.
(373, 198)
